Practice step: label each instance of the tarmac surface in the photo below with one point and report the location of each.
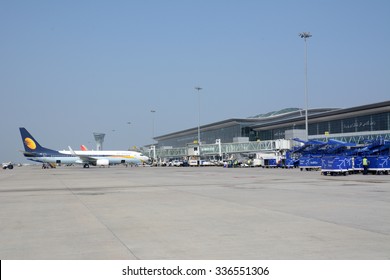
(192, 213)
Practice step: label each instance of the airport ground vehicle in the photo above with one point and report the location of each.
(336, 165)
(341, 158)
(378, 154)
(337, 158)
(308, 155)
(7, 165)
(176, 163)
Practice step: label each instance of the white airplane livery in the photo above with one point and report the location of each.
(35, 152)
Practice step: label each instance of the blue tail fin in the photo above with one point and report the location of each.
(30, 144)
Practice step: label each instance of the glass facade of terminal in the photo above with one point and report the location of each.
(226, 134)
(353, 126)
(366, 123)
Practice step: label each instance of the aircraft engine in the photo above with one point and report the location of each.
(102, 162)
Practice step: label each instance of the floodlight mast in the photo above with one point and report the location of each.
(305, 36)
(153, 111)
(198, 89)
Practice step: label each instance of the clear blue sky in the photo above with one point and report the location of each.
(70, 68)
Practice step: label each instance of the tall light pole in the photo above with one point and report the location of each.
(306, 35)
(198, 89)
(129, 123)
(153, 111)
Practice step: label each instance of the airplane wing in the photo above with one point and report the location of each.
(86, 159)
(83, 158)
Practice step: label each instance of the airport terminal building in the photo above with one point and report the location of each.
(354, 124)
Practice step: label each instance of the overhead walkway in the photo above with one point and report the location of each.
(258, 146)
(222, 148)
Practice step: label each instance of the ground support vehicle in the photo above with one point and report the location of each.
(291, 163)
(176, 163)
(336, 165)
(308, 154)
(193, 162)
(377, 153)
(309, 163)
(231, 164)
(336, 157)
(379, 164)
(357, 164)
(270, 163)
(7, 165)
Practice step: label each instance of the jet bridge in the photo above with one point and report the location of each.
(223, 148)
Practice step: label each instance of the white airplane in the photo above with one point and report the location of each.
(35, 152)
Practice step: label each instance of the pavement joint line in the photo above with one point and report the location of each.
(98, 219)
(284, 213)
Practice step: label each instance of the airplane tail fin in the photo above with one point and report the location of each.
(30, 144)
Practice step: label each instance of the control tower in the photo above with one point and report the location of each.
(99, 138)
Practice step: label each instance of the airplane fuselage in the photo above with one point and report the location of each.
(113, 157)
